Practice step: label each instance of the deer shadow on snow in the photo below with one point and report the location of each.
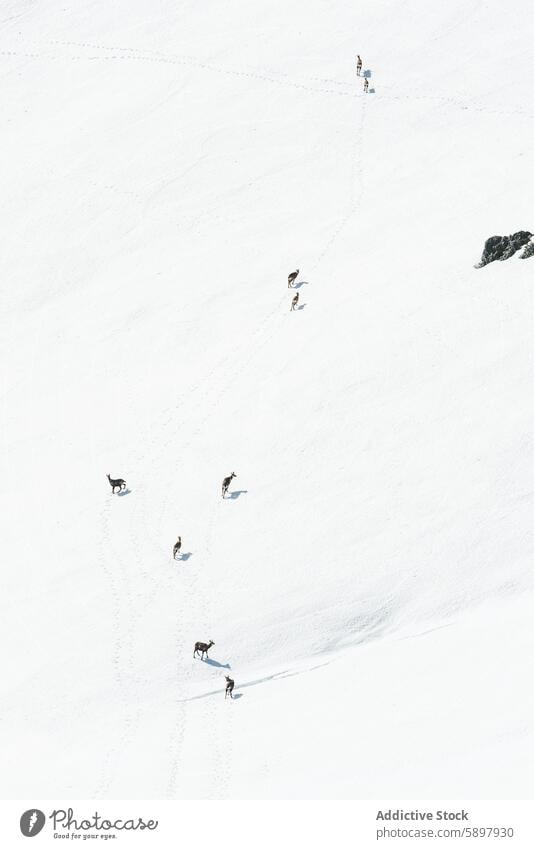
(302, 283)
(185, 556)
(123, 492)
(236, 493)
(216, 663)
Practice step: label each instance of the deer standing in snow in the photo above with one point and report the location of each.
(226, 483)
(203, 648)
(292, 277)
(117, 483)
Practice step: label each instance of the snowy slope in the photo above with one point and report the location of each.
(369, 583)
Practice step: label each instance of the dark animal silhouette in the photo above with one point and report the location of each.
(176, 547)
(203, 648)
(226, 483)
(359, 65)
(117, 483)
(294, 302)
(230, 684)
(292, 277)
(366, 84)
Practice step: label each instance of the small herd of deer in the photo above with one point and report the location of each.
(200, 648)
(120, 485)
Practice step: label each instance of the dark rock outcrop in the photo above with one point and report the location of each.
(503, 247)
(528, 250)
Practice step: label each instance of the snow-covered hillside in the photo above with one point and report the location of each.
(369, 582)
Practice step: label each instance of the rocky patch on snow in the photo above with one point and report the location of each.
(503, 247)
(528, 250)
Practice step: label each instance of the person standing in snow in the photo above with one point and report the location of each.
(359, 66)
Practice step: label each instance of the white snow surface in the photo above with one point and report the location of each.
(368, 584)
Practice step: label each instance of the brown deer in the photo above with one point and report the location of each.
(117, 483)
(226, 483)
(176, 547)
(230, 684)
(292, 277)
(203, 648)
(294, 302)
